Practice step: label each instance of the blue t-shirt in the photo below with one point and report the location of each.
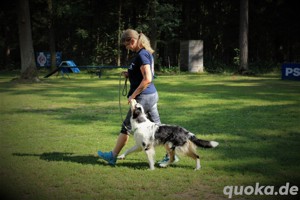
(135, 75)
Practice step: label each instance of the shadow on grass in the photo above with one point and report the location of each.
(87, 159)
(64, 156)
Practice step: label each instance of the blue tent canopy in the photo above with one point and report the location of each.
(69, 66)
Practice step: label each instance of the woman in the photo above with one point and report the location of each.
(142, 89)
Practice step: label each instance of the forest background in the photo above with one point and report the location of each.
(88, 31)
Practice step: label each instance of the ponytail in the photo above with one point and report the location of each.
(142, 40)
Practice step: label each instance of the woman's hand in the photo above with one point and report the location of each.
(130, 98)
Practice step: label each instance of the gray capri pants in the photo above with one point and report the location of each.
(149, 103)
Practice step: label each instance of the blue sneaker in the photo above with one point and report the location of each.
(165, 161)
(108, 156)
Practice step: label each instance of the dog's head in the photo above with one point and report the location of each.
(137, 111)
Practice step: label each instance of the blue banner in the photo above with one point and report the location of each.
(290, 71)
(43, 59)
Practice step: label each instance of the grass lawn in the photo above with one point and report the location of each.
(50, 133)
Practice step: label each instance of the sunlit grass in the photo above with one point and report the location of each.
(50, 133)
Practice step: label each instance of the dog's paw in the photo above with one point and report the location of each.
(121, 157)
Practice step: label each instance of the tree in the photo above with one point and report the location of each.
(51, 34)
(119, 33)
(243, 39)
(28, 66)
(153, 32)
(87, 31)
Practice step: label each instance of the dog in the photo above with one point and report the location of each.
(147, 135)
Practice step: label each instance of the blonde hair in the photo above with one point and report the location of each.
(142, 40)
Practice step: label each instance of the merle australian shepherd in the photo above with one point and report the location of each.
(175, 138)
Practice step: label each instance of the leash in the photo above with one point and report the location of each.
(124, 94)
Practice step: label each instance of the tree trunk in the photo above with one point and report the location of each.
(119, 33)
(51, 36)
(153, 33)
(28, 66)
(243, 40)
(7, 48)
(186, 9)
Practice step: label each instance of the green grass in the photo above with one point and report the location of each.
(50, 133)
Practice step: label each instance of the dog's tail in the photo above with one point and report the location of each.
(203, 143)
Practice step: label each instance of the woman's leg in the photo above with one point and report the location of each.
(149, 103)
(111, 156)
(121, 142)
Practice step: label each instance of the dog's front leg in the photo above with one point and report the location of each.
(128, 151)
(150, 154)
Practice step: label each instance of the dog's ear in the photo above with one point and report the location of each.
(136, 113)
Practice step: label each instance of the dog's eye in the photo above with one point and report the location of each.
(144, 144)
